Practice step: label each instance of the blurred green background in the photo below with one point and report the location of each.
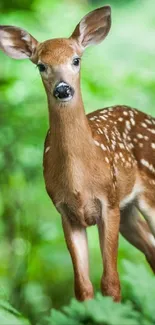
(35, 266)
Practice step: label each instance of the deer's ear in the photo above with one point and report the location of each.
(94, 27)
(16, 42)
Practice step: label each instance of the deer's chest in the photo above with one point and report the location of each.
(73, 193)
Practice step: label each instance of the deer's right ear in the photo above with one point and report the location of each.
(17, 43)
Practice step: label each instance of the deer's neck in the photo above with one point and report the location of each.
(70, 133)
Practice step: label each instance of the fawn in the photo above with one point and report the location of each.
(98, 168)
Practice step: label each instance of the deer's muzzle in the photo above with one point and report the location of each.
(63, 91)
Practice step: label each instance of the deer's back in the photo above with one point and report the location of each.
(126, 130)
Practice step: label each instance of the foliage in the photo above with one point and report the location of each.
(10, 316)
(136, 309)
(98, 311)
(35, 267)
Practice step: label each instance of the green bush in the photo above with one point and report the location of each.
(98, 311)
(137, 307)
(10, 316)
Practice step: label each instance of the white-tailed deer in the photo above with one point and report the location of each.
(98, 169)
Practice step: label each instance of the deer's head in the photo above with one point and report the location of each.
(58, 60)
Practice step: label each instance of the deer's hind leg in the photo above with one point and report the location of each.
(137, 232)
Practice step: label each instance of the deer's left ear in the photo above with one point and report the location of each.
(94, 27)
(17, 43)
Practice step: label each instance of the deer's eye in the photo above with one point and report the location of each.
(41, 67)
(76, 62)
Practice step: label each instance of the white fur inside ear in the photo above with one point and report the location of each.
(26, 37)
(152, 239)
(5, 36)
(82, 28)
(14, 45)
(94, 27)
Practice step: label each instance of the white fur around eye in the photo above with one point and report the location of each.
(75, 69)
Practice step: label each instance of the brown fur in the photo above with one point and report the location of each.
(97, 168)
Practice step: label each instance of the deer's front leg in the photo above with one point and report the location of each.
(108, 228)
(76, 239)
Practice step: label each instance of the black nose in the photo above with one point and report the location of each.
(63, 91)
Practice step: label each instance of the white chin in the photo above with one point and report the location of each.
(65, 99)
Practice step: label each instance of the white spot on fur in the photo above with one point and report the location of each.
(97, 143)
(99, 129)
(93, 118)
(153, 145)
(144, 125)
(121, 145)
(128, 126)
(148, 121)
(130, 145)
(132, 121)
(103, 147)
(47, 149)
(140, 136)
(103, 118)
(151, 130)
(131, 113)
(146, 164)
